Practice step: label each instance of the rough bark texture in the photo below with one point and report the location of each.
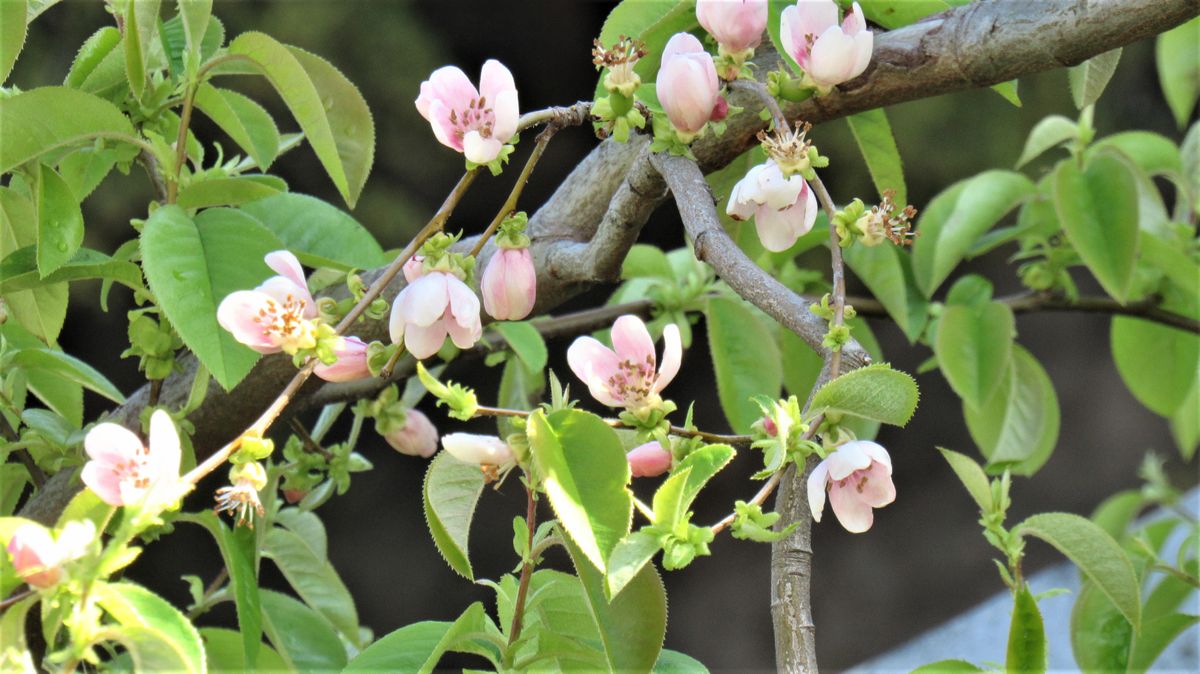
(582, 233)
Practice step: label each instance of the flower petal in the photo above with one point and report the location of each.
(594, 364)
(817, 481)
(847, 459)
(239, 313)
(508, 113)
(285, 264)
(852, 512)
(165, 453)
(110, 443)
(672, 357)
(774, 228)
(424, 341)
(478, 449)
(632, 342)
(424, 300)
(876, 452)
(480, 150)
(877, 488)
(104, 480)
(494, 79)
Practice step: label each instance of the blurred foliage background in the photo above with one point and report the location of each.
(923, 562)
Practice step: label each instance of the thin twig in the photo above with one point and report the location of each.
(839, 271)
(712, 438)
(510, 204)
(15, 598)
(527, 570)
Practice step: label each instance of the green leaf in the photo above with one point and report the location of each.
(1173, 262)
(192, 265)
(91, 54)
(646, 261)
(668, 508)
(418, 647)
(229, 191)
(972, 477)
(41, 310)
(195, 15)
(132, 605)
(61, 395)
(1008, 91)
(15, 655)
(238, 550)
(585, 471)
(12, 34)
(319, 233)
(1185, 424)
(246, 122)
(974, 348)
(878, 147)
(1094, 552)
(18, 271)
(1179, 69)
(141, 27)
(632, 626)
(37, 121)
(519, 388)
(526, 342)
(874, 392)
(1098, 208)
(896, 13)
(451, 492)
(653, 22)
(702, 465)
(148, 649)
(1157, 362)
(306, 525)
(1089, 78)
(958, 216)
(224, 654)
(1026, 635)
(742, 373)
(69, 368)
(674, 662)
(947, 667)
(1017, 428)
(1049, 133)
(329, 109)
(304, 639)
(314, 579)
(85, 168)
(1155, 636)
(1100, 635)
(60, 222)
(627, 559)
(887, 272)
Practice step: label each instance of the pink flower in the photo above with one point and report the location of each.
(481, 449)
(509, 284)
(414, 268)
(737, 25)
(38, 558)
(475, 122)
(784, 209)
(830, 54)
(124, 472)
(858, 476)
(351, 362)
(418, 436)
(687, 84)
(275, 316)
(626, 376)
(649, 460)
(431, 307)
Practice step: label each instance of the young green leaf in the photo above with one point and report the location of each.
(1179, 69)
(1026, 635)
(674, 662)
(887, 272)
(319, 233)
(745, 358)
(1088, 79)
(246, 122)
(451, 492)
(525, 341)
(702, 465)
(60, 222)
(874, 392)
(37, 121)
(301, 636)
(132, 605)
(223, 653)
(69, 368)
(896, 13)
(974, 349)
(1016, 429)
(229, 191)
(194, 15)
(1098, 208)
(314, 579)
(1158, 363)
(141, 27)
(148, 649)
(1047, 134)
(972, 477)
(418, 647)
(12, 35)
(629, 556)
(41, 310)
(948, 667)
(1008, 91)
(878, 147)
(62, 395)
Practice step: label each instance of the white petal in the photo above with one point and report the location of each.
(816, 490)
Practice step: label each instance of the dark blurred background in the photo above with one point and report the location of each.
(922, 563)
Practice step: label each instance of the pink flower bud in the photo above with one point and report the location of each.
(649, 460)
(431, 307)
(769, 427)
(294, 496)
(275, 316)
(38, 558)
(414, 268)
(784, 209)
(858, 478)
(351, 362)
(418, 437)
(627, 375)
(720, 110)
(737, 25)
(476, 122)
(123, 472)
(687, 84)
(509, 284)
(830, 54)
(481, 449)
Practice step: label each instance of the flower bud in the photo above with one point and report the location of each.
(687, 85)
(418, 436)
(351, 362)
(828, 53)
(509, 284)
(737, 25)
(481, 449)
(38, 558)
(649, 460)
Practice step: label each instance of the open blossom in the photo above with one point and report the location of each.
(418, 436)
(737, 25)
(626, 375)
(649, 460)
(277, 315)
(784, 209)
(124, 472)
(509, 284)
(351, 362)
(487, 450)
(38, 558)
(433, 306)
(829, 53)
(687, 84)
(858, 477)
(476, 122)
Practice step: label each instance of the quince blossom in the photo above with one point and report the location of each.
(737, 25)
(124, 472)
(432, 306)
(858, 477)
(38, 558)
(486, 450)
(626, 375)
(476, 122)
(509, 284)
(649, 460)
(417, 437)
(351, 362)
(828, 53)
(687, 85)
(784, 209)
(276, 316)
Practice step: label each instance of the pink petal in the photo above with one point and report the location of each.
(424, 341)
(817, 481)
(681, 43)
(648, 460)
(464, 336)
(396, 320)
(284, 291)
(495, 79)
(775, 228)
(237, 314)
(594, 364)
(632, 342)
(834, 56)
(418, 437)
(672, 357)
(285, 264)
(845, 460)
(480, 150)
(775, 190)
(864, 43)
(464, 304)
(443, 129)
(112, 444)
(351, 363)
(877, 487)
(854, 21)
(508, 114)
(876, 452)
(165, 453)
(424, 300)
(491, 286)
(854, 514)
(451, 86)
(414, 268)
(103, 480)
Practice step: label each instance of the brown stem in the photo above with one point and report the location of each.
(185, 118)
(510, 204)
(155, 390)
(839, 271)
(310, 445)
(4, 604)
(526, 570)
(712, 438)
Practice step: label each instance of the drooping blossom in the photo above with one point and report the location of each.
(509, 284)
(829, 53)
(626, 375)
(737, 25)
(351, 362)
(434, 305)
(486, 450)
(124, 472)
(649, 460)
(687, 85)
(417, 437)
(278, 314)
(784, 209)
(858, 477)
(476, 122)
(38, 558)
(240, 498)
